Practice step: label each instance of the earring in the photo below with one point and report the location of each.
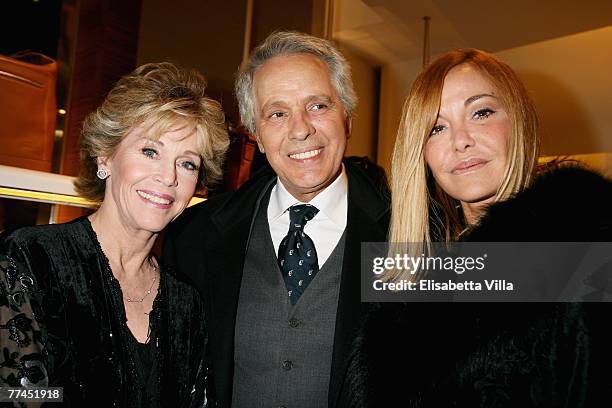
(102, 173)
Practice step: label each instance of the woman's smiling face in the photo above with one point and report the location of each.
(152, 181)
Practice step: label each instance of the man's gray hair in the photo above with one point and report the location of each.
(283, 43)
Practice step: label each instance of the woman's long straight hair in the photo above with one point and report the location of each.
(421, 211)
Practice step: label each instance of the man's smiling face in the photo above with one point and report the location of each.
(301, 124)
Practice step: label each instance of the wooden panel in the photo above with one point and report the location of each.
(27, 111)
(273, 15)
(107, 42)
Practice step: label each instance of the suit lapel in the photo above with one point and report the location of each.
(225, 260)
(225, 254)
(367, 220)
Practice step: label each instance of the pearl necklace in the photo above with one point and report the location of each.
(148, 292)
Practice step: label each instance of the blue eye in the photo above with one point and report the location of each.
(436, 129)
(149, 152)
(483, 113)
(189, 166)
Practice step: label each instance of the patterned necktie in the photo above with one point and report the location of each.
(297, 256)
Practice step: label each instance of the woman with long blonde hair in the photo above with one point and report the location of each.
(411, 214)
(465, 168)
(422, 211)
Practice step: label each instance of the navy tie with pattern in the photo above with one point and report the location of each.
(297, 256)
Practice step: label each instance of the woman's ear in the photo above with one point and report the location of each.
(103, 167)
(103, 162)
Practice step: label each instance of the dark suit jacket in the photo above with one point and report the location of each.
(209, 242)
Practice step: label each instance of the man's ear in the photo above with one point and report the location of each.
(260, 145)
(348, 126)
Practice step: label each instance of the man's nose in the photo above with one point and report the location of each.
(301, 127)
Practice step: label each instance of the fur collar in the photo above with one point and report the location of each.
(565, 204)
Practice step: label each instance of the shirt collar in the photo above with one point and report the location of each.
(326, 201)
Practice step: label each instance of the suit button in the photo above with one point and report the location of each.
(287, 365)
(293, 322)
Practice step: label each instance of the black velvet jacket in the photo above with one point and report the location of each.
(492, 354)
(62, 323)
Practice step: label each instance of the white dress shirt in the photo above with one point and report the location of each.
(325, 229)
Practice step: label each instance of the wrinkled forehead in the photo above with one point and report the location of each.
(181, 127)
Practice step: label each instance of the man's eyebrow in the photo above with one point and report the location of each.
(323, 98)
(474, 98)
(271, 104)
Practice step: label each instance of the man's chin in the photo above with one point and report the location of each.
(305, 191)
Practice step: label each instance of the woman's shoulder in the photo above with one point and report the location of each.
(43, 248)
(562, 179)
(48, 233)
(565, 203)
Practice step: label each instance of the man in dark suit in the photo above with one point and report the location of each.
(278, 261)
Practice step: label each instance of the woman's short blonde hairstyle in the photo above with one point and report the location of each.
(159, 97)
(421, 210)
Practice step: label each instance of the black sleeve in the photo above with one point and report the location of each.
(22, 361)
(201, 389)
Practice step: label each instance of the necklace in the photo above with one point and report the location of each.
(148, 291)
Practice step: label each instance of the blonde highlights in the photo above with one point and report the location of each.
(157, 97)
(421, 211)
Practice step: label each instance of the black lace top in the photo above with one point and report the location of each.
(62, 323)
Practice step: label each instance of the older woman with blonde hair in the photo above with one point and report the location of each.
(465, 168)
(86, 305)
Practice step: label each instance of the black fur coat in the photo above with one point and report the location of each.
(492, 354)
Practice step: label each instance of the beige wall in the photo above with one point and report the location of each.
(569, 78)
(363, 141)
(394, 85)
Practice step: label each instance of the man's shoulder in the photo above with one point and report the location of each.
(368, 176)
(41, 235)
(198, 216)
(368, 187)
(228, 204)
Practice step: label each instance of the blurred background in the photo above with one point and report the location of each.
(560, 48)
